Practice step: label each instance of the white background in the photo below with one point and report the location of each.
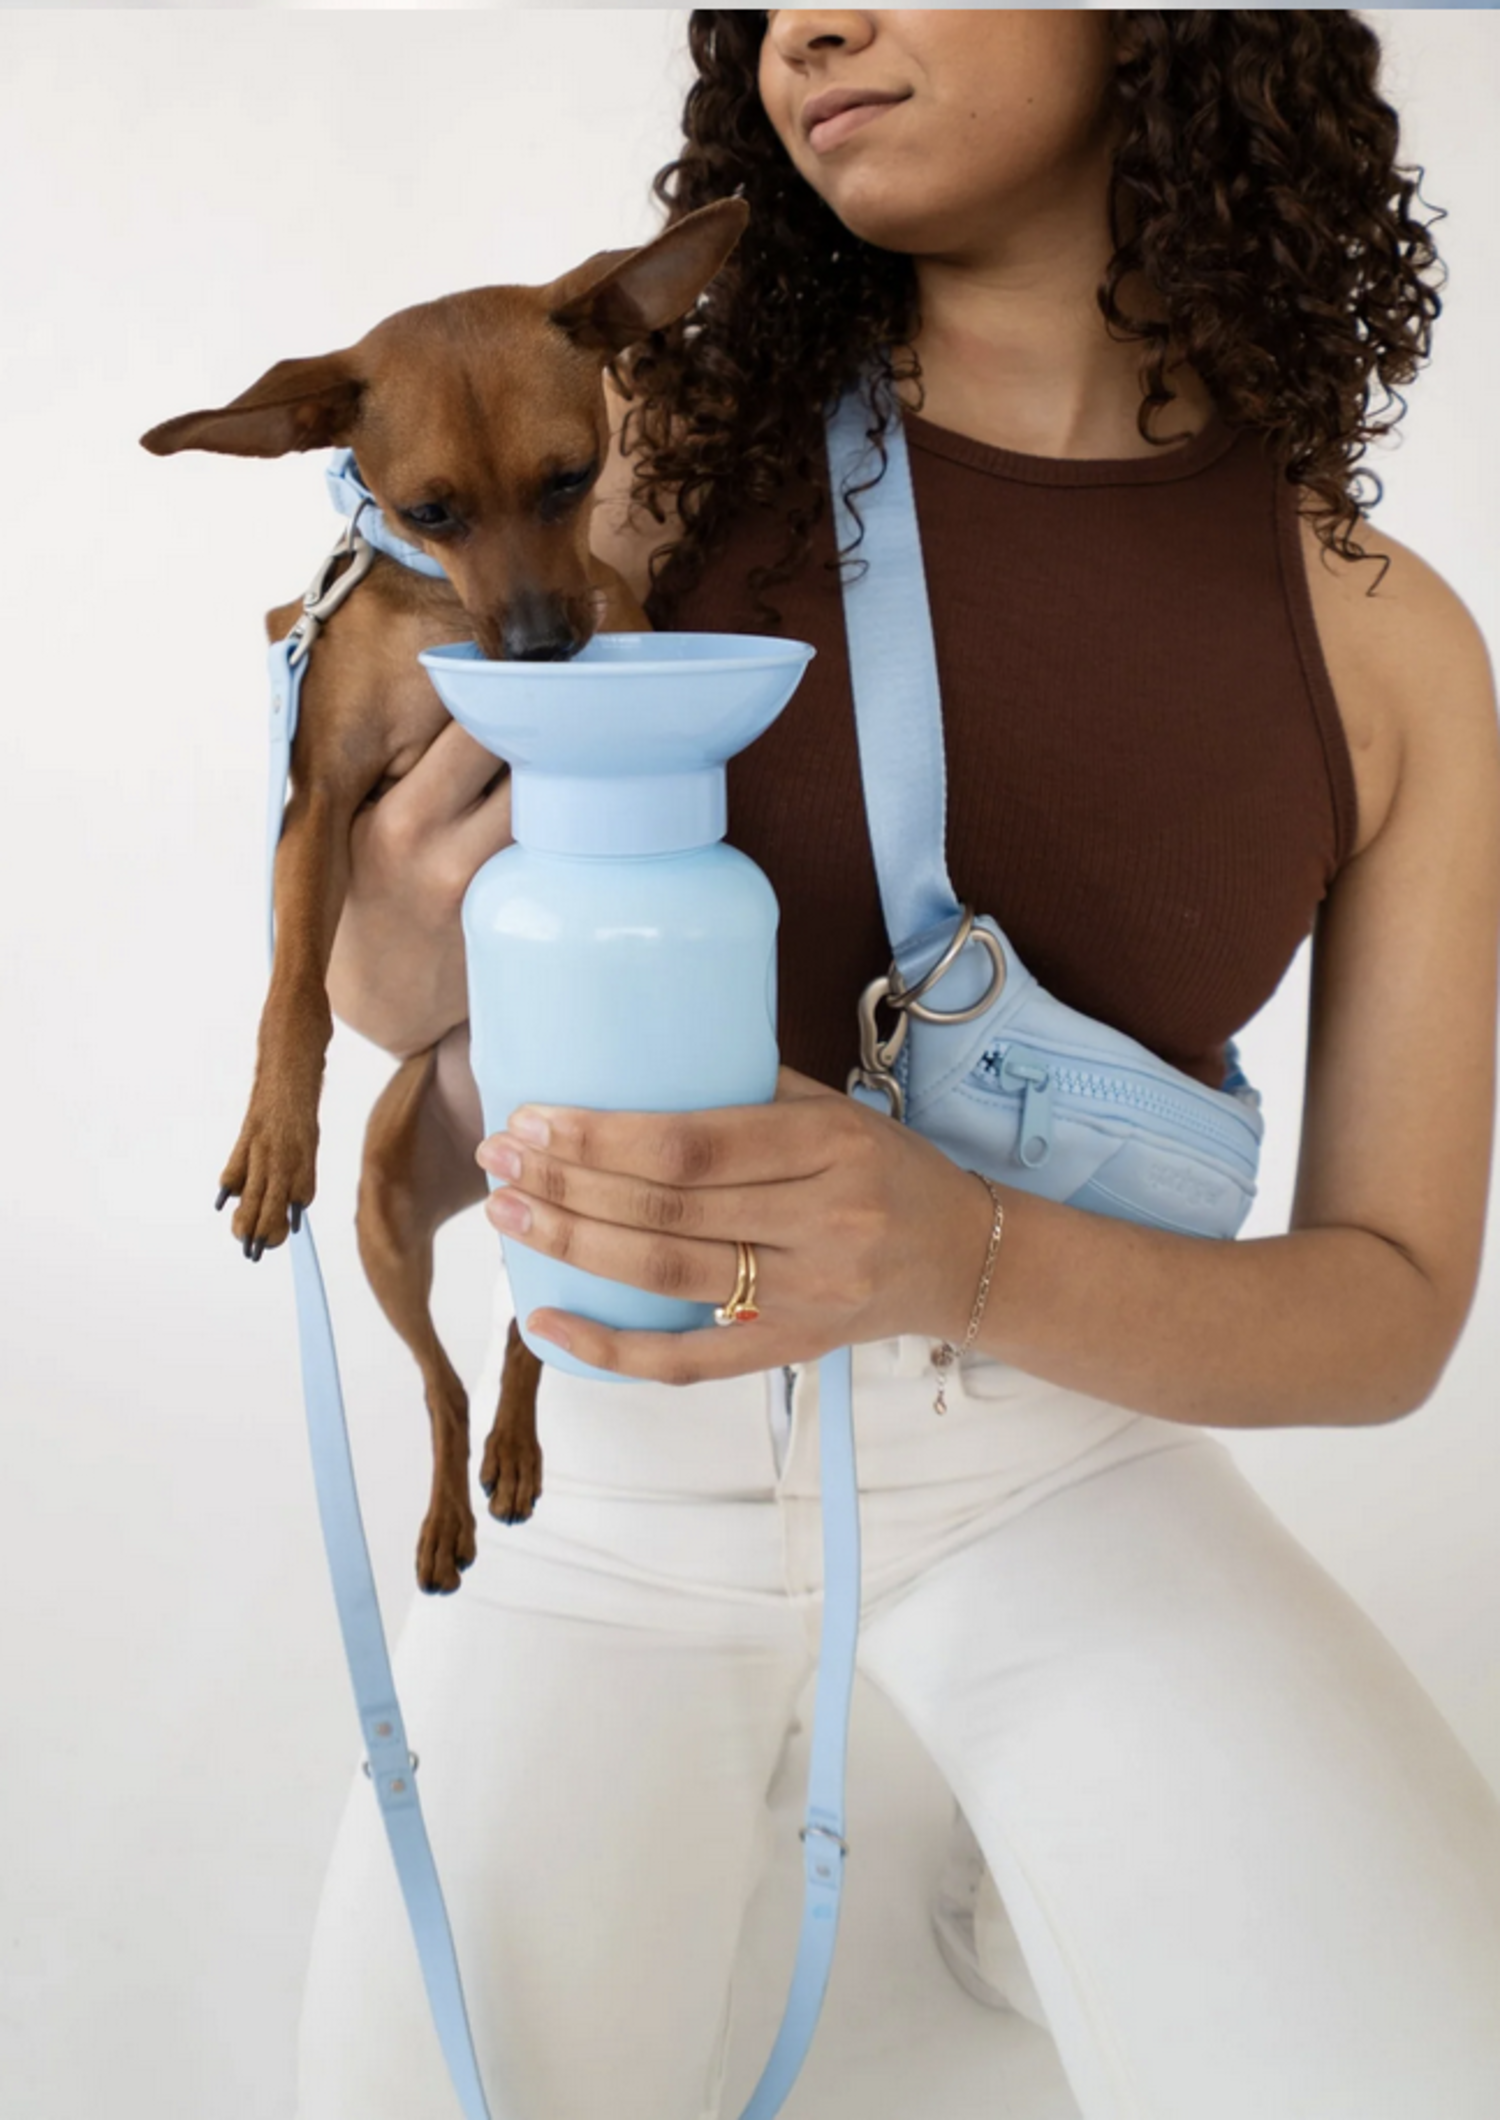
(188, 198)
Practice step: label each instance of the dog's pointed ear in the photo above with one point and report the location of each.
(617, 296)
(307, 404)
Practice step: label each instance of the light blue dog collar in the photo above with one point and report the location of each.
(352, 497)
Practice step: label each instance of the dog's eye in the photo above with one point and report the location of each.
(566, 486)
(428, 515)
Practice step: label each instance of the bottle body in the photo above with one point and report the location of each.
(625, 983)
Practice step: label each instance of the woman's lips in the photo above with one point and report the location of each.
(830, 131)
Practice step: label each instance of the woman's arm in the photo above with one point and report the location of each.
(397, 969)
(866, 1230)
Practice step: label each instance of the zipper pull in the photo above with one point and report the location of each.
(1031, 1076)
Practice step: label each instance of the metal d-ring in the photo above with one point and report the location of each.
(828, 1834)
(907, 998)
(412, 1757)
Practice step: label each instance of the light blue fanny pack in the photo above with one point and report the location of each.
(1004, 1078)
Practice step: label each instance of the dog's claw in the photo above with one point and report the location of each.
(259, 1247)
(296, 1216)
(223, 1196)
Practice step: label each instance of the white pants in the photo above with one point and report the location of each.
(1253, 1873)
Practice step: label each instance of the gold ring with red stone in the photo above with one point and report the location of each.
(740, 1308)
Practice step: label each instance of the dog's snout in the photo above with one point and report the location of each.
(539, 629)
(524, 646)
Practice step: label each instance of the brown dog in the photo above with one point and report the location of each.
(480, 426)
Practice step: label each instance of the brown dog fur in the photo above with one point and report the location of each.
(476, 404)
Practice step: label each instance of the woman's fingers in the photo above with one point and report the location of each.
(691, 1269)
(659, 1200)
(638, 1204)
(676, 1358)
(421, 844)
(802, 1134)
(452, 774)
(815, 1237)
(486, 828)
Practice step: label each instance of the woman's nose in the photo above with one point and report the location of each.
(796, 32)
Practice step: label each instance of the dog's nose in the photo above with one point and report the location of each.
(538, 632)
(521, 645)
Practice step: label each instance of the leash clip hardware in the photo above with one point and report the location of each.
(877, 1055)
(827, 1832)
(413, 1758)
(324, 594)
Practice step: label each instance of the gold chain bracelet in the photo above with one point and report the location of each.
(946, 1354)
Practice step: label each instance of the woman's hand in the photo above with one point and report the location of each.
(397, 971)
(862, 1229)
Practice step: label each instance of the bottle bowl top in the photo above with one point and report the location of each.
(632, 703)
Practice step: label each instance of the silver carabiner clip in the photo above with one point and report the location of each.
(877, 1055)
(324, 594)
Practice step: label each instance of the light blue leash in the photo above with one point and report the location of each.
(391, 1765)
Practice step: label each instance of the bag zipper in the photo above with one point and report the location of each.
(1037, 1077)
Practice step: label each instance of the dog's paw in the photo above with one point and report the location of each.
(511, 1475)
(446, 1547)
(272, 1174)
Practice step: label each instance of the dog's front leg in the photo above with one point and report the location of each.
(273, 1166)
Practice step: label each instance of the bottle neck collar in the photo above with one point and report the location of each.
(637, 814)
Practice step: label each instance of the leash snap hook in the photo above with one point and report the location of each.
(877, 1055)
(324, 594)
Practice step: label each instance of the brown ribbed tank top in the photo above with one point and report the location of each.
(1149, 786)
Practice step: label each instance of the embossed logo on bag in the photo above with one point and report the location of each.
(1186, 1184)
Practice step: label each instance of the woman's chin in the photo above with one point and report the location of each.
(891, 208)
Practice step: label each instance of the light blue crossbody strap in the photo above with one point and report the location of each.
(899, 723)
(893, 672)
(391, 1766)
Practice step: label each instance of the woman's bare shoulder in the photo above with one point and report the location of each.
(1407, 663)
(622, 535)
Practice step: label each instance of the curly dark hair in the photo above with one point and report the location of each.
(1254, 186)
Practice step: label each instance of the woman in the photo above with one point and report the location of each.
(1186, 716)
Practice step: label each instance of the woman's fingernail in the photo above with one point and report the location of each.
(529, 1125)
(507, 1210)
(554, 1333)
(504, 1162)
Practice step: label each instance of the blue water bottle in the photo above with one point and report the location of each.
(620, 955)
